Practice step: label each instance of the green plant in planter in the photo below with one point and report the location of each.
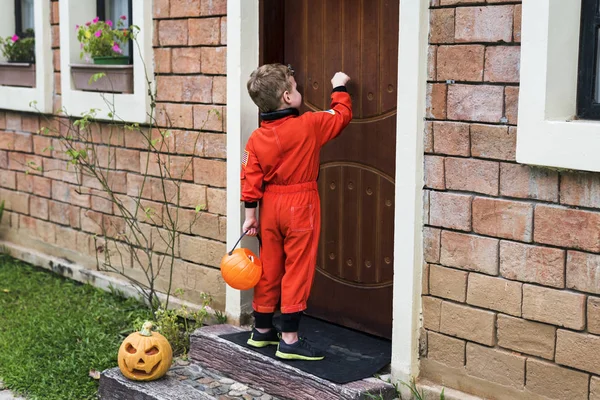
(19, 49)
(103, 41)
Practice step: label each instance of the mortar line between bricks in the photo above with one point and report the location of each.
(478, 4)
(194, 74)
(502, 313)
(110, 215)
(480, 235)
(487, 123)
(487, 44)
(547, 203)
(172, 154)
(590, 376)
(154, 18)
(523, 283)
(474, 83)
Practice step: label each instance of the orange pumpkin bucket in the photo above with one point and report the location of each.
(241, 268)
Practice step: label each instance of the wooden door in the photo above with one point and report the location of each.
(353, 283)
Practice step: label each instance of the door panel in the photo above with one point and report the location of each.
(353, 283)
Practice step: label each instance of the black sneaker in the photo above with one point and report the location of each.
(301, 350)
(259, 340)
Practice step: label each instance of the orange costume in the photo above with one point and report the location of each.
(280, 167)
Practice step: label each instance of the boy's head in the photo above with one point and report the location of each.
(272, 87)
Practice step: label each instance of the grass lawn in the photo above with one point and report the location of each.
(53, 331)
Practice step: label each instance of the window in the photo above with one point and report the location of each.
(24, 82)
(133, 106)
(23, 16)
(588, 91)
(551, 132)
(113, 10)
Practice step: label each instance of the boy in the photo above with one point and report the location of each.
(280, 166)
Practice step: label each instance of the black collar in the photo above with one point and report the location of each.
(278, 114)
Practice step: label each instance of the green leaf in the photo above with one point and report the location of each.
(95, 77)
(155, 141)
(200, 208)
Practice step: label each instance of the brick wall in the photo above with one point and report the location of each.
(49, 211)
(511, 303)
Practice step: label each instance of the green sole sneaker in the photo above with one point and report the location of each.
(260, 340)
(300, 350)
(260, 344)
(287, 356)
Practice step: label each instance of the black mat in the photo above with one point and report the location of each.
(349, 355)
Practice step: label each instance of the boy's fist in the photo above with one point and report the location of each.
(339, 79)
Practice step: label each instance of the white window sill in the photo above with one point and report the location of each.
(547, 133)
(20, 98)
(133, 107)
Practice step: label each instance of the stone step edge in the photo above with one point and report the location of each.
(277, 378)
(114, 386)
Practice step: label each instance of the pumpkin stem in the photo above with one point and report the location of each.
(146, 329)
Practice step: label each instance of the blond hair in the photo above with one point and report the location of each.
(267, 84)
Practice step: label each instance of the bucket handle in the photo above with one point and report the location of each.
(240, 239)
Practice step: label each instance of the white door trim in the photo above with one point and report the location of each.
(242, 119)
(408, 238)
(242, 58)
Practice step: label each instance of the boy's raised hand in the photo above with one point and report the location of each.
(339, 79)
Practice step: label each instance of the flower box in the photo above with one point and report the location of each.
(17, 74)
(118, 79)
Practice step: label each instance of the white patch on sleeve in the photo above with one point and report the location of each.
(332, 111)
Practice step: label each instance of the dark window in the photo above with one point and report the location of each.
(23, 16)
(588, 90)
(113, 10)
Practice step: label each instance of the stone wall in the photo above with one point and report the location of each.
(58, 212)
(511, 281)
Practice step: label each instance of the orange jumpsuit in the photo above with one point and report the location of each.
(280, 167)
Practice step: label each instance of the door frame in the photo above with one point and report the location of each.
(242, 58)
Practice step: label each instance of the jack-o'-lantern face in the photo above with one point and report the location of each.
(145, 358)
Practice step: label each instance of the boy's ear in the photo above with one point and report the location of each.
(286, 97)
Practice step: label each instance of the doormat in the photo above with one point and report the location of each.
(349, 355)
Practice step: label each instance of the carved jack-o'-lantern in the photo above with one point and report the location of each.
(145, 355)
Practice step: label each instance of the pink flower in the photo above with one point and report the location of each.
(98, 33)
(117, 49)
(76, 27)
(109, 23)
(88, 23)
(123, 17)
(96, 19)
(14, 38)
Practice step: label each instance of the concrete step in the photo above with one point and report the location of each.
(275, 377)
(184, 381)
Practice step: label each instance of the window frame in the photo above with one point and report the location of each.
(19, 18)
(22, 98)
(549, 132)
(101, 12)
(132, 107)
(587, 107)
